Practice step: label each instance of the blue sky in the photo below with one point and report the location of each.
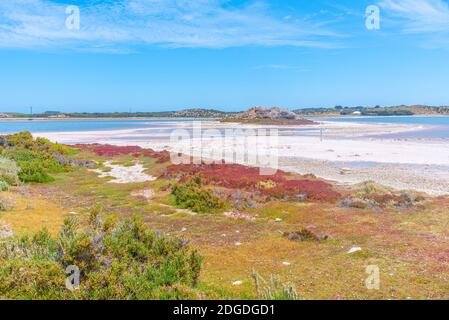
(152, 55)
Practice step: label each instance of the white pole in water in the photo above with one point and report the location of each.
(321, 134)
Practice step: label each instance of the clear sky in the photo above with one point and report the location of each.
(153, 55)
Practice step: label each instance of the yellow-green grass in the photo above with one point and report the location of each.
(29, 215)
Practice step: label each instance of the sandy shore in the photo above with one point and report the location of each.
(336, 151)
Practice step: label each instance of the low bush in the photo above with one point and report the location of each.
(6, 203)
(35, 159)
(273, 288)
(46, 145)
(9, 171)
(121, 260)
(33, 172)
(192, 195)
(44, 159)
(372, 195)
(4, 186)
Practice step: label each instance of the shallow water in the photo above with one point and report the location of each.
(11, 126)
(433, 127)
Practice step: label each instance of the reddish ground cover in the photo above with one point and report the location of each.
(314, 189)
(234, 176)
(110, 150)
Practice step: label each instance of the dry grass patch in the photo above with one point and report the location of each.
(30, 215)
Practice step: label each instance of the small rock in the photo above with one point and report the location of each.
(355, 203)
(183, 229)
(239, 216)
(304, 235)
(5, 232)
(354, 249)
(73, 213)
(278, 220)
(285, 263)
(237, 283)
(238, 243)
(301, 197)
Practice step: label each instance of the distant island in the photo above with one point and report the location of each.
(268, 116)
(262, 115)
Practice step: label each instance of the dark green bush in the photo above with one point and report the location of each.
(191, 195)
(32, 171)
(121, 260)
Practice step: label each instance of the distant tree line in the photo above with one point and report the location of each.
(375, 111)
(188, 113)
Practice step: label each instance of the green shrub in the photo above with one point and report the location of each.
(46, 160)
(35, 158)
(22, 139)
(46, 145)
(33, 172)
(4, 186)
(121, 260)
(370, 188)
(193, 196)
(9, 171)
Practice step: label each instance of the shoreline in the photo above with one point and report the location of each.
(185, 118)
(106, 119)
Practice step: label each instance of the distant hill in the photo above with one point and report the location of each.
(187, 113)
(374, 111)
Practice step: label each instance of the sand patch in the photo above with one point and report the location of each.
(148, 194)
(122, 174)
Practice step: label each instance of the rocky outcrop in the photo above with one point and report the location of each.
(268, 116)
(268, 113)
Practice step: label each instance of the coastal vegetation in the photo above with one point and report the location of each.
(36, 158)
(192, 195)
(116, 259)
(284, 236)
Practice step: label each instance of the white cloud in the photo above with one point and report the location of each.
(123, 24)
(420, 16)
